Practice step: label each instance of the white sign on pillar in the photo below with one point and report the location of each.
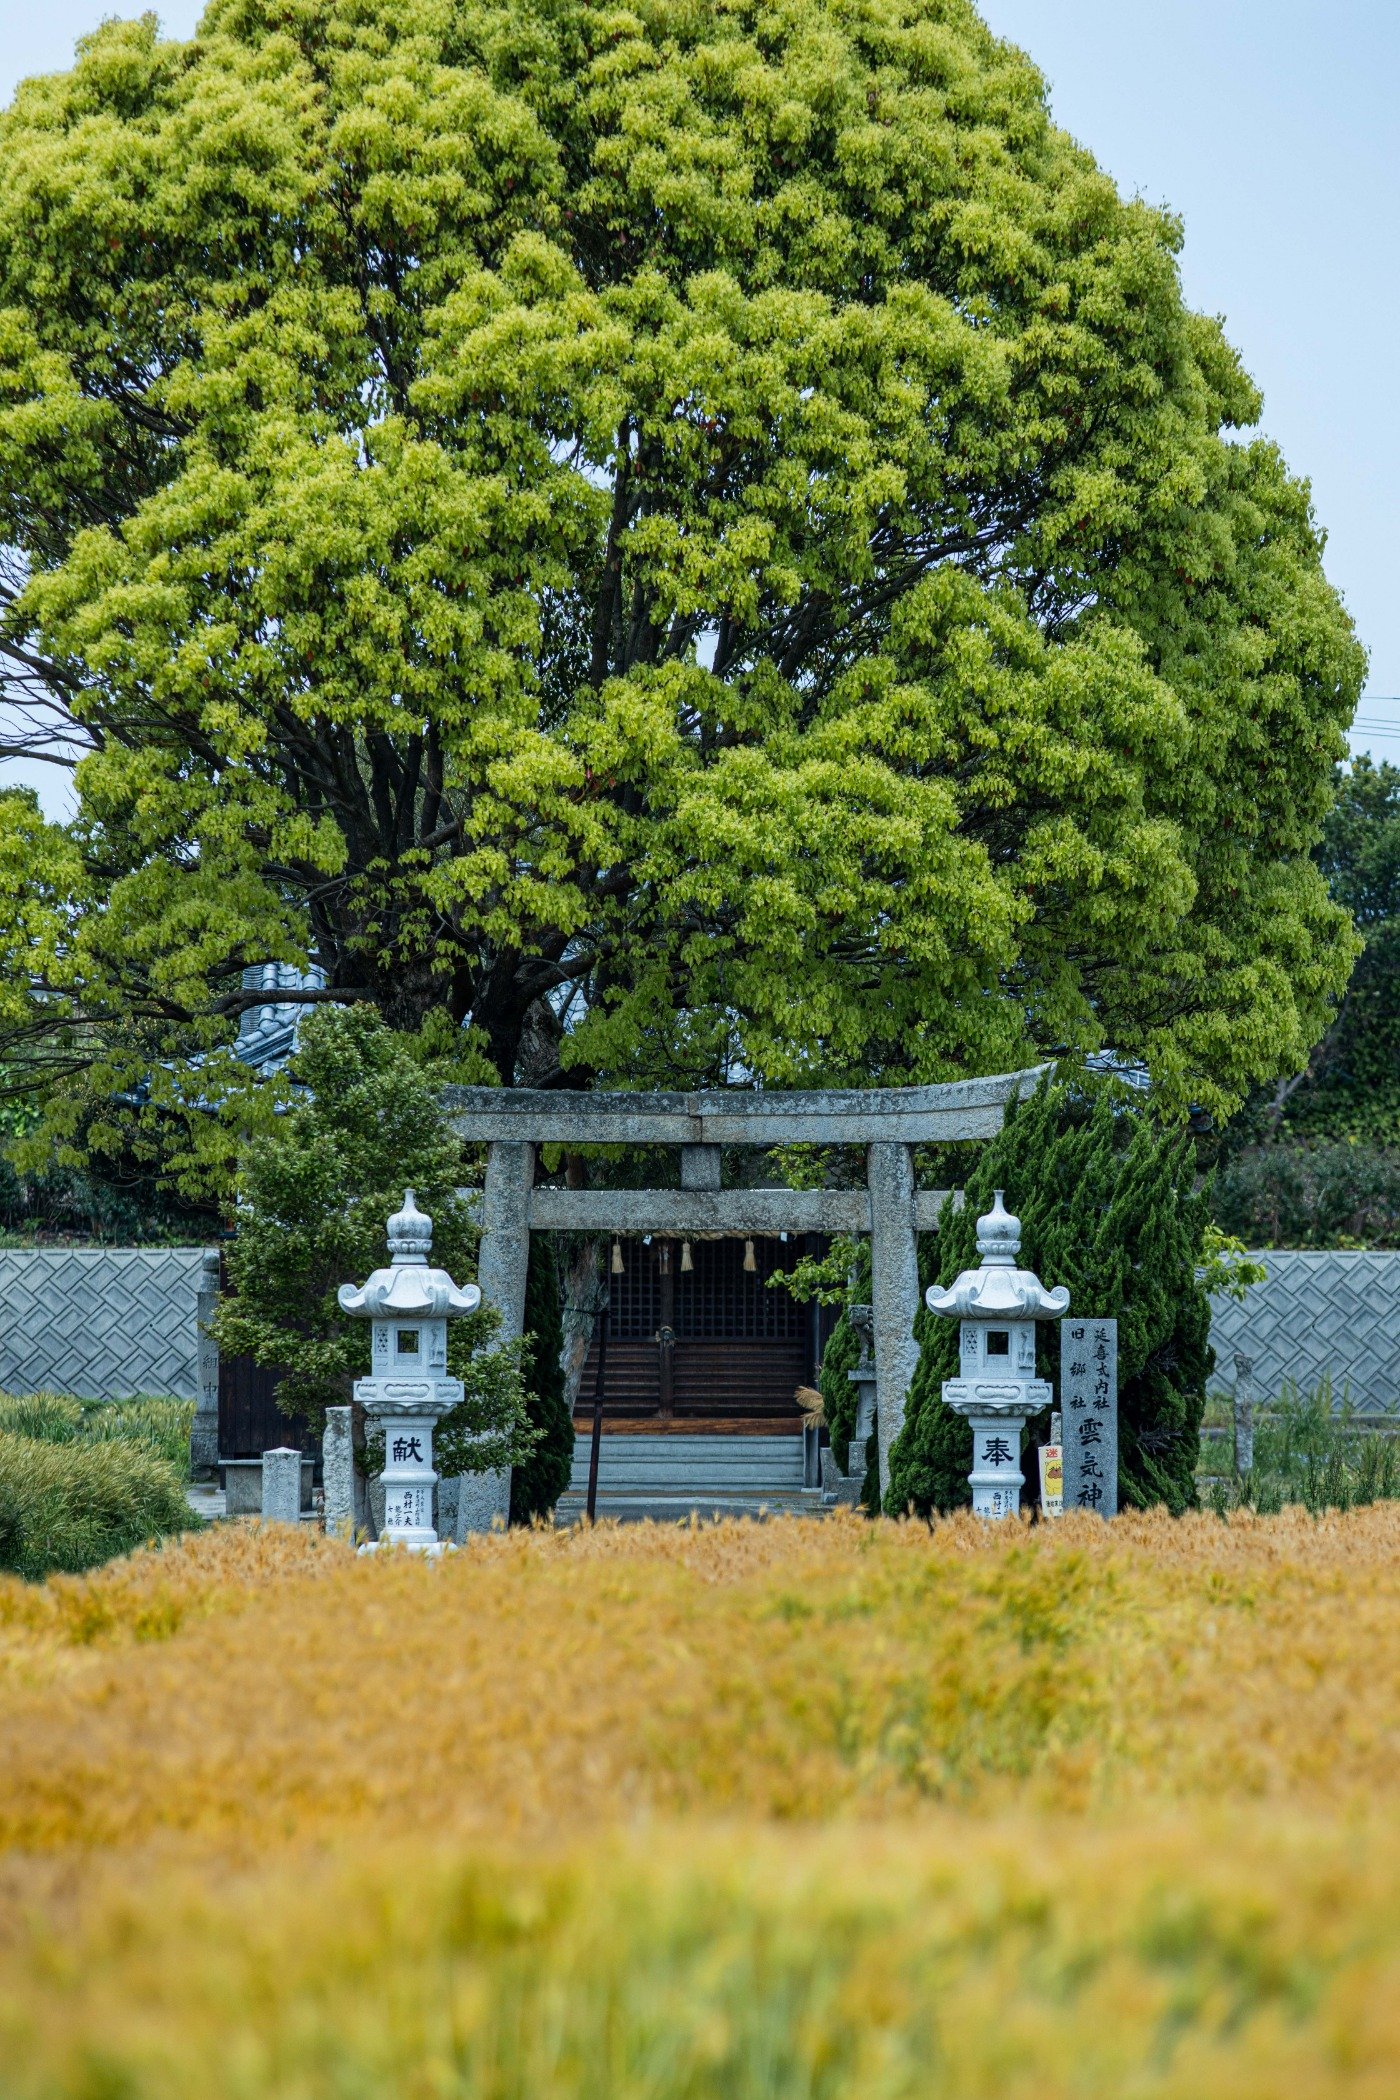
(1089, 1405)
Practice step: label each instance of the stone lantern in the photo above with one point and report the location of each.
(998, 1305)
(410, 1304)
(862, 1319)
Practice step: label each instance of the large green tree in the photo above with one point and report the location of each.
(704, 538)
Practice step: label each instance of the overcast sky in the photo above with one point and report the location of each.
(1271, 127)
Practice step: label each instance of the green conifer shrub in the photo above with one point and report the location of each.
(1108, 1206)
(316, 1190)
(842, 1354)
(542, 1476)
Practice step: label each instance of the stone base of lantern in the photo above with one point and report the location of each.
(996, 1475)
(998, 1411)
(432, 1546)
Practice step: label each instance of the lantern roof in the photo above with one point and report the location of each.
(410, 1288)
(998, 1289)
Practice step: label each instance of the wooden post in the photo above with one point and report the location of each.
(894, 1290)
(666, 1331)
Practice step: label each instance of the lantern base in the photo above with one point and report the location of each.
(996, 1478)
(417, 1542)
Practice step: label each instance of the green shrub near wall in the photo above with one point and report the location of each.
(67, 1505)
(1108, 1205)
(152, 1422)
(51, 1417)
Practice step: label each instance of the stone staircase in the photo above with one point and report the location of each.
(666, 1477)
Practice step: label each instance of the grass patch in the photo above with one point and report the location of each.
(958, 1962)
(1310, 1452)
(544, 1681)
(47, 1418)
(68, 1504)
(150, 1422)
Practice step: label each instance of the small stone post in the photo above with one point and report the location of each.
(998, 1305)
(338, 1473)
(863, 1379)
(409, 1304)
(281, 1486)
(1244, 1416)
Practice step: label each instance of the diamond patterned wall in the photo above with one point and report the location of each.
(106, 1323)
(1336, 1313)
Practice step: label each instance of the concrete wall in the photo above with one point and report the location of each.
(1319, 1314)
(109, 1322)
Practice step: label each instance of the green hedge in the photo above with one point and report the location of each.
(150, 1422)
(157, 1426)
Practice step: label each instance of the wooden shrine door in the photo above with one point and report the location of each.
(708, 1344)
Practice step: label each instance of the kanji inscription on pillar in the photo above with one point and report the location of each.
(1089, 1406)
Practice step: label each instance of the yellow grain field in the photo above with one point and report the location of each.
(773, 1812)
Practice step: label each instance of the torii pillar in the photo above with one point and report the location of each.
(894, 1291)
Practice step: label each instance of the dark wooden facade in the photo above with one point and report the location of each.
(250, 1421)
(709, 1345)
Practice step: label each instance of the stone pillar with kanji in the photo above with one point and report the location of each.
(998, 1304)
(409, 1304)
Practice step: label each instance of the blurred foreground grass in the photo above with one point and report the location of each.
(792, 1810)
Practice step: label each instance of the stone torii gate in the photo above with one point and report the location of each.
(512, 1121)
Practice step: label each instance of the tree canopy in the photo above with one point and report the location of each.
(1351, 1087)
(703, 539)
(1313, 1160)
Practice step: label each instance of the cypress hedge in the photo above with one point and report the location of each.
(1108, 1205)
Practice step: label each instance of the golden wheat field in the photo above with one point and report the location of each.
(792, 1810)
